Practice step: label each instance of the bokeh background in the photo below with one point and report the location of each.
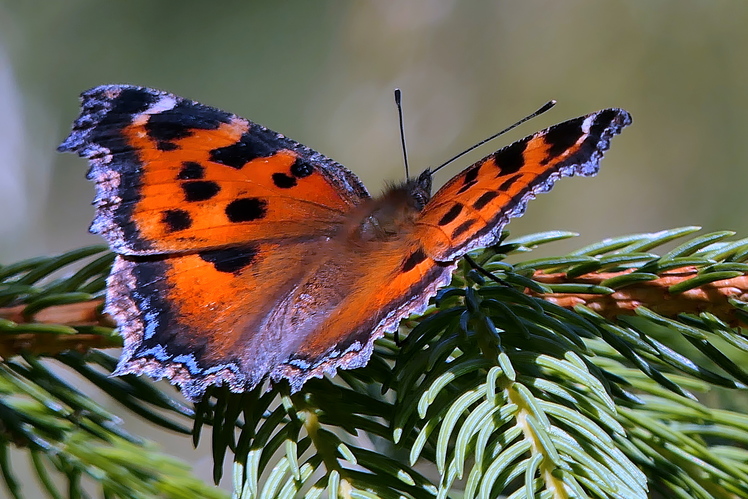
(323, 72)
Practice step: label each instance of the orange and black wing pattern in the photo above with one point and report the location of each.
(212, 217)
(470, 210)
(243, 255)
(173, 175)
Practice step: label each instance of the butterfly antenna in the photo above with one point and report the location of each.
(540, 111)
(399, 104)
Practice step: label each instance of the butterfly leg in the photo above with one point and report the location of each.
(478, 268)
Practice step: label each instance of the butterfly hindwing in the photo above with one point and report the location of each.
(197, 318)
(470, 210)
(396, 280)
(173, 175)
(237, 316)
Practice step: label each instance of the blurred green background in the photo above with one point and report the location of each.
(323, 72)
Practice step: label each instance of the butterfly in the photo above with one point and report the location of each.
(243, 255)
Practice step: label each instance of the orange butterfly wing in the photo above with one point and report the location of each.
(173, 175)
(470, 210)
(197, 202)
(466, 213)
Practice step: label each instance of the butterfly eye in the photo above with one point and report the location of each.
(420, 189)
(421, 199)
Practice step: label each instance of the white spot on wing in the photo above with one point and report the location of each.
(587, 123)
(165, 103)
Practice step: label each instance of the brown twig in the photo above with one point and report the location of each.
(655, 295)
(49, 342)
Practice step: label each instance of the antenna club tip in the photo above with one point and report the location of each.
(398, 95)
(547, 106)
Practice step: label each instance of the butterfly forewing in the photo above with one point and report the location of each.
(470, 210)
(173, 175)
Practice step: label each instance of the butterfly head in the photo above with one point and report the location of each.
(419, 189)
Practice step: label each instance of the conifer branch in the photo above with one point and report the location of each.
(583, 374)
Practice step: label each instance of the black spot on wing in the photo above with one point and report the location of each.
(462, 228)
(183, 119)
(176, 220)
(230, 260)
(191, 170)
(283, 181)
(471, 175)
(484, 199)
(470, 178)
(511, 158)
(561, 137)
(166, 127)
(508, 183)
(181, 122)
(130, 101)
(256, 143)
(453, 213)
(166, 146)
(301, 169)
(200, 190)
(414, 259)
(246, 209)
